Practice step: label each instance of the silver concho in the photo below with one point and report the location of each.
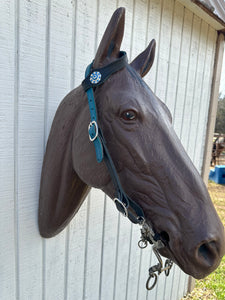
(95, 77)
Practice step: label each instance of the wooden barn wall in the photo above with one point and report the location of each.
(45, 46)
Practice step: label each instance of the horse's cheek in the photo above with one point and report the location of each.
(85, 164)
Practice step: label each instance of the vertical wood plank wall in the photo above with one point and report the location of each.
(45, 46)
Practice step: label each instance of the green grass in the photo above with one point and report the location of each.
(215, 282)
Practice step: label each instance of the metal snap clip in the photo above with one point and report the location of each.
(142, 244)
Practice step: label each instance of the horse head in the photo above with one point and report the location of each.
(152, 166)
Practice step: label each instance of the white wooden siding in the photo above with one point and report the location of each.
(45, 46)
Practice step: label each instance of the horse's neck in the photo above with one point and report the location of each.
(72, 104)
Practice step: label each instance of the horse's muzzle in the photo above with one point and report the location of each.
(199, 261)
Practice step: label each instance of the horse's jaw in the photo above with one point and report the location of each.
(192, 233)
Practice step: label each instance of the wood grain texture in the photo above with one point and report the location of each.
(182, 72)
(174, 57)
(198, 88)
(128, 30)
(205, 97)
(8, 150)
(153, 31)
(58, 78)
(93, 258)
(45, 47)
(189, 101)
(163, 48)
(32, 26)
(109, 250)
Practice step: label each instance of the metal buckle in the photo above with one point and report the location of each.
(141, 220)
(96, 130)
(125, 213)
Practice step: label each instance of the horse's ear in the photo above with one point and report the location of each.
(143, 62)
(62, 191)
(110, 44)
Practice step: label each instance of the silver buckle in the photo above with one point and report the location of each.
(125, 213)
(96, 130)
(141, 220)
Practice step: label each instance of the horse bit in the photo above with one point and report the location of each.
(125, 205)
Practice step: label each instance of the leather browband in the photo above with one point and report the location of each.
(104, 72)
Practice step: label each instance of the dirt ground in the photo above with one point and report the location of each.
(217, 193)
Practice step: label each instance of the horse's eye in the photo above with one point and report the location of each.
(129, 115)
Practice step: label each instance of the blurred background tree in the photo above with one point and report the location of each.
(220, 117)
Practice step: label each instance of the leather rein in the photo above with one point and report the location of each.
(124, 204)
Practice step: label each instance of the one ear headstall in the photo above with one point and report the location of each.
(94, 78)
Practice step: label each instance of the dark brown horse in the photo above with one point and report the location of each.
(142, 144)
(218, 148)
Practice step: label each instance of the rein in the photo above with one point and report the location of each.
(124, 204)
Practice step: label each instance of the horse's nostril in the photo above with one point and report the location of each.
(209, 252)
(165, 236)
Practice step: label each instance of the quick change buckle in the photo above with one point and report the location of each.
(121, 206)
(93, 131)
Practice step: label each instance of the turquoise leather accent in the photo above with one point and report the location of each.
(94, 78)
(92, 107)
(93, 127)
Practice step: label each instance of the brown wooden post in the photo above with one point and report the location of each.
(213, 106)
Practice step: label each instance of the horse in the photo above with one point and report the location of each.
(128, 152)
(218, 148)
